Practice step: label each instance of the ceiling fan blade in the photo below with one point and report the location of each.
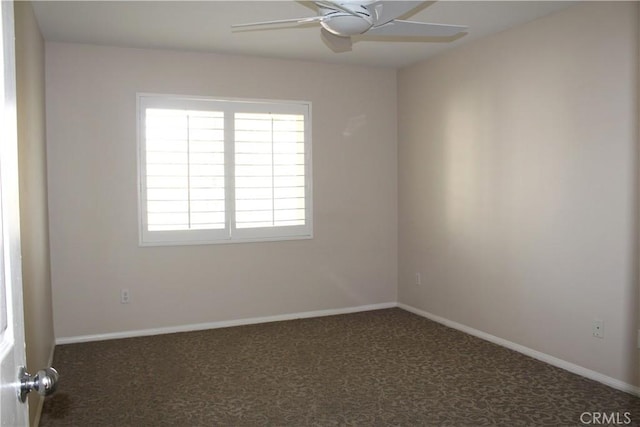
(415, 29)
(337, 44)
(280, 21)
(386, 11)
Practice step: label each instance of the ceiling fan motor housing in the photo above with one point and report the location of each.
(346, 24)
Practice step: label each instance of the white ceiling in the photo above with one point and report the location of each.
(205, 26)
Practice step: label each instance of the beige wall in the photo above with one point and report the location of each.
(517, 185)
(91, 101)
(34, 226)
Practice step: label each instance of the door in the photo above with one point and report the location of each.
(12, 348)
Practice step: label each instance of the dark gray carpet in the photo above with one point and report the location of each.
(377, 368)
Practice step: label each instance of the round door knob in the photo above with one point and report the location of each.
(45, 382)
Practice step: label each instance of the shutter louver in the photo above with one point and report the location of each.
(269, 170)
(185, 175)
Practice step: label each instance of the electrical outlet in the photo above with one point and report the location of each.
(418, 279)
(125, 297)
(598, 328)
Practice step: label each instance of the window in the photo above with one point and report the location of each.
(220, 171)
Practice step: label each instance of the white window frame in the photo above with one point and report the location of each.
(230, 234)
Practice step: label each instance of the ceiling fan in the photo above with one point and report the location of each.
(345, 18)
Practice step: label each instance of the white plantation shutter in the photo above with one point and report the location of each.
(269, 170)
(215, 171)
(185, 169)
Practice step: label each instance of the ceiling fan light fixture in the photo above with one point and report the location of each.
(346, 25)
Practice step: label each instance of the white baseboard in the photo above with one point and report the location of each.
(554, 361)
(221, 324)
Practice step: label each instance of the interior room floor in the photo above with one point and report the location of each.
(384, 367)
